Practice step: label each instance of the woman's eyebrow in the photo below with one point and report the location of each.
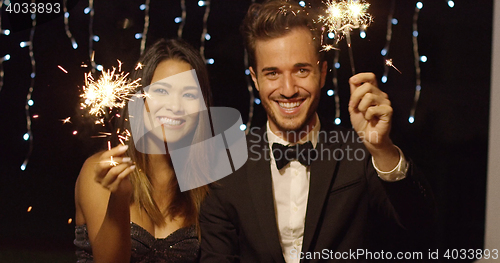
(165, 84)
(190, 87)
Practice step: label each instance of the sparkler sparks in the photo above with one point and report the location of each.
(342, 17)
(61, 68)
(110, 91)
(389, 63)
(346, 15)
(67, 120)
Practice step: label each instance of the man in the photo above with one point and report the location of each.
(316, 208)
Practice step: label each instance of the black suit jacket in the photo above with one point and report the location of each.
(238, 222)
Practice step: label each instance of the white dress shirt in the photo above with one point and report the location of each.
(291, 190)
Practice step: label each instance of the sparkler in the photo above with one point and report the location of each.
(343, 17)
(389, 63)
(111, 91)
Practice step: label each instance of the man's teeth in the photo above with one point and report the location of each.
(169, 121)
(289, 105)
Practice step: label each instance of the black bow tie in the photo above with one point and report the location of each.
(304, 153)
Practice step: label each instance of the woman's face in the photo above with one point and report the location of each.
(173, 101)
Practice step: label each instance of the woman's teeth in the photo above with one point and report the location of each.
(289, 105)
(169, 121)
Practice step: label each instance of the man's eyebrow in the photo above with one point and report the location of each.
(269, 69)
(302, 65)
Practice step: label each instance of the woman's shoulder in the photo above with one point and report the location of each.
(87, 173)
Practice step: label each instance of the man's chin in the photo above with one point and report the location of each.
(291, 124)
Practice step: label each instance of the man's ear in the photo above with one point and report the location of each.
(324, 68)
(254, 78)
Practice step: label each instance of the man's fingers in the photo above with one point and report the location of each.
(361, 78)
(363, 97)
(381, 112)
(372, 100)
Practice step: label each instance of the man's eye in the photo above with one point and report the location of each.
(272, 74)
(303, 72)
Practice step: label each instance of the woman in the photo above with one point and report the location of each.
(129, 207)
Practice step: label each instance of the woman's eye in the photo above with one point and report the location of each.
(190, 95)
(160, 91)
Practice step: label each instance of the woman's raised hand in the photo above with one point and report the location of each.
(113, 169)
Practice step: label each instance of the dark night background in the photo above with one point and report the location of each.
(448, 140)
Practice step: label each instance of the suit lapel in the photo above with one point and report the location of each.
(322, 174)
(260, 183)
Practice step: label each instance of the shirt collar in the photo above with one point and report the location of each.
(311, 136)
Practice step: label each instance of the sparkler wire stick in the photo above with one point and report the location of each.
(351, 56)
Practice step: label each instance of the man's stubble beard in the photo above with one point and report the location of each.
(293, 127)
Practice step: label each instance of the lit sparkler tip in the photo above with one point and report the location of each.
(111, 90)
(345, 15)
(139, 66)
(61, 68)
(388, 62)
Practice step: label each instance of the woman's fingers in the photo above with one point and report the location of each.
(116, 184)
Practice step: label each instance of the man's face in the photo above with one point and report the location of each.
(289, 78)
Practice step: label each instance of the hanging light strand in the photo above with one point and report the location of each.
(28, 136)
(66, 25)
(3, 58)
(91, 36)
(250, 90)
(146, 26)
(416, 54)
(336, 86)
(388, 39)
(205, 28)
(183, 19)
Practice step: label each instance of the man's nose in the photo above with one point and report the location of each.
(289, 87)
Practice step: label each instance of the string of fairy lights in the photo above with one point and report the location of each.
(180, 20)
(6, 57)
(144, 35)
(253, 100)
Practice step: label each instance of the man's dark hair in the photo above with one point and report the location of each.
(274, 19)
